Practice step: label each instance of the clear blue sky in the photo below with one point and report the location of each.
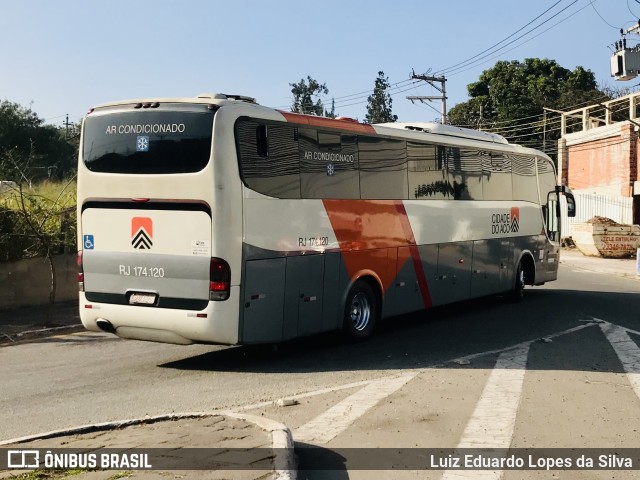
(66, 56)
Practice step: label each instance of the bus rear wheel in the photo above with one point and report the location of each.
(361, 312)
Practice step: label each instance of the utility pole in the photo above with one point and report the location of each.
(66, 130)
(544, 130)
(442, 89)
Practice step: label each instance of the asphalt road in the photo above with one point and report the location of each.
(428, 376)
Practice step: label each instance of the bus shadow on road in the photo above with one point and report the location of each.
(440, 336)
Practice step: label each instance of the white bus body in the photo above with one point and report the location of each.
(216, 220)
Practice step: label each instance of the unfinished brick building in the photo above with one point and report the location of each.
(598, 159)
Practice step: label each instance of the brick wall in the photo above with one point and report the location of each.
(607, 165)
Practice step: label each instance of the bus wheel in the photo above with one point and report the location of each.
(361, 312)
(518, 289)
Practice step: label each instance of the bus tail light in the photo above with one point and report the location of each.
(80, 272)
(219, 279)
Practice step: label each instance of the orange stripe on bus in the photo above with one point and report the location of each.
(324, 122)
(365, 229)
(415, 255)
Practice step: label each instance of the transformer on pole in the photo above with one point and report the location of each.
(625, 61)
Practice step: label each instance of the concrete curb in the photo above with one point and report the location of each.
(281, 438)
(29, 335)
(281, 442)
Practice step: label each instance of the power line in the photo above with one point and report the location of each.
(471, 65)
(369, 92)
(501, 41)
(508, 127)
(598, 13)
(398, 87)
(363, 97)
(477, 58)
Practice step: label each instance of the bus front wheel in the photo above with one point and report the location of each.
(361, 312)
(518, 289)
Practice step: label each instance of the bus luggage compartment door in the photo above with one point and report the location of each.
(151, 258)
(263, 300)
(304, 297)
(453, 281)
(490, 258)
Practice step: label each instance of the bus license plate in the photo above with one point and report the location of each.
(142, 299)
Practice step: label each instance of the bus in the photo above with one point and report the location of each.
(216, 220)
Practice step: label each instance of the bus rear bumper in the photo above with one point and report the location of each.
(218, 323)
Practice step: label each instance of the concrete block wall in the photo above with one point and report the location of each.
(26, 283)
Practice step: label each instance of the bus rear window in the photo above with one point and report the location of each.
(148, 141)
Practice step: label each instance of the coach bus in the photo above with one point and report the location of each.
(216, 220)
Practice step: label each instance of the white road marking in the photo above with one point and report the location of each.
(472, 356)
(337, 419)
(493, 420)
(416, 371)
(627, 351)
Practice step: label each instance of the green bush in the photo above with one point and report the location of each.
(38, 219)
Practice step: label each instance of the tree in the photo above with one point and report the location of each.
(379, 104)
(518, 92)
(306, 96)
(24, 134)
(331, 113)
(32, 224)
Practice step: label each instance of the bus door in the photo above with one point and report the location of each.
(550, 248)
(549, 238)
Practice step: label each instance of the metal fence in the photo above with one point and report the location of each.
(589, 205)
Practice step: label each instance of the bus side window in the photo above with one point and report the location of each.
(328, 164)
(523, 176)
(471, 172)
(455, 174)
(383, 168)
(496, 176)
(268, 158)
(427, 177)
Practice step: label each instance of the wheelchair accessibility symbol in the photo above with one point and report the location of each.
(88, 242)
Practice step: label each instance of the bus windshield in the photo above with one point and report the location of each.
(164, 140)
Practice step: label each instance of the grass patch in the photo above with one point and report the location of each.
(42, 219)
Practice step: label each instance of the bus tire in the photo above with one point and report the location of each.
(361, 312)
(517, 294)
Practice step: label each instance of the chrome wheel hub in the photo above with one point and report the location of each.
(360, 311)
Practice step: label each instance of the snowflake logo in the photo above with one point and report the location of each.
(142, 144)
(331, 170)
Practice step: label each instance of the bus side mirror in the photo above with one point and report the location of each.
(571, 204)
(571, 201)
